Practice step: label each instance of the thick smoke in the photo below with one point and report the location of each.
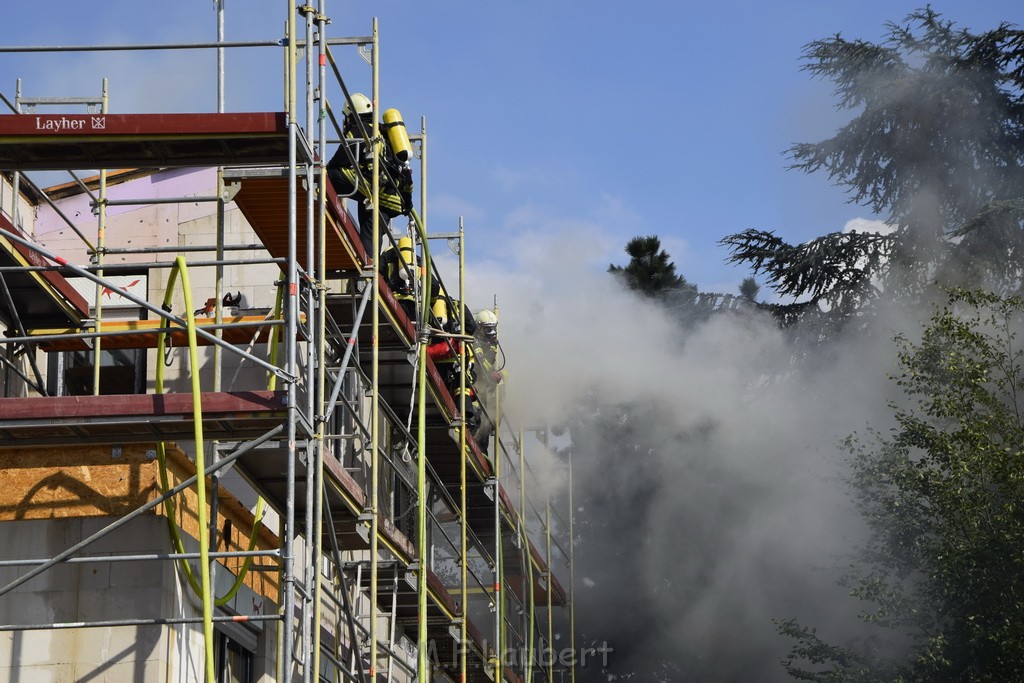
(733, 513)
(709, 475)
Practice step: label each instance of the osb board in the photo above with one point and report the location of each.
(105, 481)
(81, 481)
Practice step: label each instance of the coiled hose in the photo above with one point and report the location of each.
(200, 586)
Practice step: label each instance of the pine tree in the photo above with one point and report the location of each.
(749, 289)
(936, 146)
(650, 270)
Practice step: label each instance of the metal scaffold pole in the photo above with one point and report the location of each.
(291, 359)
(423, 508)
(527, 563)
(321, 330)
(311, 564)
(551, 577)
(101, 240)
(218, 288)
(375, 356)
(464, 522)
(572, 579)
(499, 612)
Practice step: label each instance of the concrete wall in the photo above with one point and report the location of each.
(26, 212)
(99, 592)
(50, 499)
(79, 592)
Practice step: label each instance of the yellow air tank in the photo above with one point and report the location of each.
(398, 136)
(405, 250)
(440, 309)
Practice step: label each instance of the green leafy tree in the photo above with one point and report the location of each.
(935, 146)
(943, 566)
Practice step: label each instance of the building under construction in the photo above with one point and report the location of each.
(226, 453)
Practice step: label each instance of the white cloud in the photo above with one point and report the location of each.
(512, 179)
(868, 225)
(451, 207)
(677, 248)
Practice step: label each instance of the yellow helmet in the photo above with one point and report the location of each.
(361, 103)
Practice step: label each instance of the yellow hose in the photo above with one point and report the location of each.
(422, 666)
(274, 343)
(529, 597)
(202, 586)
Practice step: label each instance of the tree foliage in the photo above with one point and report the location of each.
(749, 289)
(651, 273)
(650, 270)
(935, 145)
(942, 496)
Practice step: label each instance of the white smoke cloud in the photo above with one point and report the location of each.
(744, 520)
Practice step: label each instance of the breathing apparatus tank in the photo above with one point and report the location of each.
(398, 136)
(408, 258)
(440, 311)
(405, 250)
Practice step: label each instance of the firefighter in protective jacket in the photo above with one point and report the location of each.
(445, 351)
(351, 168)
(488, 363)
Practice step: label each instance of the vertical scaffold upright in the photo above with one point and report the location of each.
(398, 554)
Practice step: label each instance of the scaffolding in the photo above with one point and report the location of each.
(402, 551)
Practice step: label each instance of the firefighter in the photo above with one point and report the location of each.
(444, 351)
(488, 363)
(351, 168)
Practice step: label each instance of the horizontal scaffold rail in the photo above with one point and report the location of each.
(142, 334)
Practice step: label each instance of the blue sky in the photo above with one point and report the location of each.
(606, 119)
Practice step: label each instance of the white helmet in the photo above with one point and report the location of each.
(487, 324)
(361, 103)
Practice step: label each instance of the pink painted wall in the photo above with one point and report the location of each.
(182, 182)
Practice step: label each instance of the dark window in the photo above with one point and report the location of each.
(122, 371)
(234, 662)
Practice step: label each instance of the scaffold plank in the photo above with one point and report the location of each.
(134, 418)
(263, 200)
(90, 141)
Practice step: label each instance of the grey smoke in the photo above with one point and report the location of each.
(745, 517)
